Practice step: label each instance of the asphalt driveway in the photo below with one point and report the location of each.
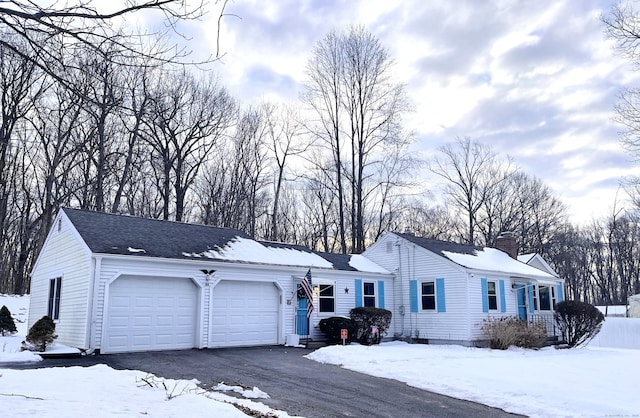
(295, 384)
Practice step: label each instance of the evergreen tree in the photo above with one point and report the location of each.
(42, 333)
(7, 325)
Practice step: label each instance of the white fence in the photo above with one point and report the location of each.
(618, 333)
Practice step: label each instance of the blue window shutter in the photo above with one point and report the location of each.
(442, 307)
(560, 293)
(530, 293)
(413, 295)
(503, 301)
(380, 294)
(485, 295)
(358, 293)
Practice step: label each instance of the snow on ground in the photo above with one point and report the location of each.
(599, 380)
(72, 391)
(583, 382)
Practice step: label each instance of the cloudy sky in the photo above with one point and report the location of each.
(535, 79)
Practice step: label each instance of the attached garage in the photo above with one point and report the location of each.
(244, 314)
(150, 313)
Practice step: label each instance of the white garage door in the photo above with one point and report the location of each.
(244, 313)
(150, 313)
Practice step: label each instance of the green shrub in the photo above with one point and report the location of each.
(332, 327)
(367, 318)
(42, 333)
(578, 321)
(507, 331)
(7, 325)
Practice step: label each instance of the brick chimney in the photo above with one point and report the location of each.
(506, 242)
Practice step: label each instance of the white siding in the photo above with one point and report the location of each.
(284, 277)
(346, 300)
(65, 255)
(412, 262)
(476, 314)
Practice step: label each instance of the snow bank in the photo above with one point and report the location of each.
(618, 333)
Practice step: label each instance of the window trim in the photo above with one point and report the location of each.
(321, 297)
(492, 295)
(373, 296)
(53, 307)
(433, 295)
(537, 299)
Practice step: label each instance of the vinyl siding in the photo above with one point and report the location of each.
(476, 314)
(285, 277)
(63, 255)
(345, 301)
(411, 262)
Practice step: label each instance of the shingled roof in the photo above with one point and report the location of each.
(106, 233)
(479, 258)
(438, 246)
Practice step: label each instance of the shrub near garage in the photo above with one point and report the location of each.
(578, 321)
(367, 318)
(7, 325)
(42, 333)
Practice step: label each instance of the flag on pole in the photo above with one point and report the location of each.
(307, 287)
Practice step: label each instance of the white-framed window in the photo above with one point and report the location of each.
(428, 294)
(326, 298)
(369, 294)
(544, 297)
(492, 295)
(55, 285)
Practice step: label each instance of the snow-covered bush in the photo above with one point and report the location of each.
(7, 325)
(578, 321)
(332, 327)
(506, 331)
(41, 334)
(370, 319)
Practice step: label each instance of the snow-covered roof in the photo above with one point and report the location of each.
(106, 233)
(250, 251)
(479, 258)
(525, 258)
(492, 259)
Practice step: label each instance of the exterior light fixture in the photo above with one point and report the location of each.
(208, 274)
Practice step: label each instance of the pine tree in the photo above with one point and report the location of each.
(7, 325)
(42, 333)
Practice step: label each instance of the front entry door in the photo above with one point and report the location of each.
(521, 295)
(302, 322)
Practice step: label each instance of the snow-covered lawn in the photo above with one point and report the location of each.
(103, 391)
(545, 383)
(600, 380)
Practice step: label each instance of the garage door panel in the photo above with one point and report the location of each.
(150, 313)
(244, 313)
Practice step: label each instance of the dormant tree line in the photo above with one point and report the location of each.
(108, 126)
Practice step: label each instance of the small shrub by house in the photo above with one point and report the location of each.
(372, 323)
(41, 334)
(333, 326)
(7, 325)
(578, 321)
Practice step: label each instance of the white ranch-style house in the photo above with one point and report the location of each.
(118, 283)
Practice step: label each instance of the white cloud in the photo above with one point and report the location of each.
(536, 80)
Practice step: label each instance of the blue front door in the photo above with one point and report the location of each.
(302, 323)
(521, 295)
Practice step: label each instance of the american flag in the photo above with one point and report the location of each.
(307, 287)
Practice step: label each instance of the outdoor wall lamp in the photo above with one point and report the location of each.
(208, 274)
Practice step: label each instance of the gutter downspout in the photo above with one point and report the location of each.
(91, 315)
(467, 291)
(401, 308)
